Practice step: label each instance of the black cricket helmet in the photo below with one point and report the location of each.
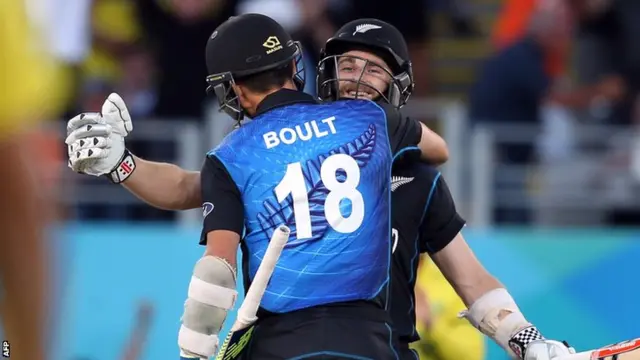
(244, 46)
(373, 36)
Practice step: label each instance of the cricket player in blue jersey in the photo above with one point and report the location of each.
(323, 170)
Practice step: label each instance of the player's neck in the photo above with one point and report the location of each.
(256, 99)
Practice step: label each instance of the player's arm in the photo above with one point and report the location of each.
(224, 211)
(96, 146)
(164, 186)
(463, 270)
(490, 307)
(212, 291)
(406, 132)
(440, 236)
(433, 148)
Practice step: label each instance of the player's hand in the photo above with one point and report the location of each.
(547, 350)
(95, 141)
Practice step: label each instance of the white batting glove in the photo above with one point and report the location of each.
(95, 141)
(547, 350)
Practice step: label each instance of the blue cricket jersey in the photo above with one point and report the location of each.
(323, 170)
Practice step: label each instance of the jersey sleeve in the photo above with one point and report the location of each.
(222, 205)
(441, 220)
(403, 131)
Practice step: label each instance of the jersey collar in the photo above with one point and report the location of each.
(283, 97)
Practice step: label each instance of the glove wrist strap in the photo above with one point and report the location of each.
(124, 169)
(521, 340)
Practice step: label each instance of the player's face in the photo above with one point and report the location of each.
(362, 75)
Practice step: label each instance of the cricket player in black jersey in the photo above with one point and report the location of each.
(365, 54)
(424, 220)
(491, 309)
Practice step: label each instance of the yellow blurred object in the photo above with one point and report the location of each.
(112, 20)
(33, 88)
(116, 19)
(449, 338)
(32, 83)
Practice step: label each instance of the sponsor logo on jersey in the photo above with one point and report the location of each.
(207, 208)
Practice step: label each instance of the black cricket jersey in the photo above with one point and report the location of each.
(424, 220)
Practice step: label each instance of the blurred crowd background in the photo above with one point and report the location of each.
(539, 101)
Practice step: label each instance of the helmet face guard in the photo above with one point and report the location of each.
(397, 92)
(220, 84)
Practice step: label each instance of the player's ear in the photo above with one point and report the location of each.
(242, 93)
(238, 89)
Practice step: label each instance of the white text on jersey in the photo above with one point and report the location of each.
(302, 132)
(394, 238)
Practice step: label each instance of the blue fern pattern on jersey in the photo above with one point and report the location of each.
(276, 214)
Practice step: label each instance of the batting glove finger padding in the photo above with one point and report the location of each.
(89, 143)
(115, 112)
(88, 131)
(83, 120)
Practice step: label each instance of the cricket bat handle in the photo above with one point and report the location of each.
(247, 311)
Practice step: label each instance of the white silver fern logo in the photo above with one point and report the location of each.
(363, 28)
(397, 181)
